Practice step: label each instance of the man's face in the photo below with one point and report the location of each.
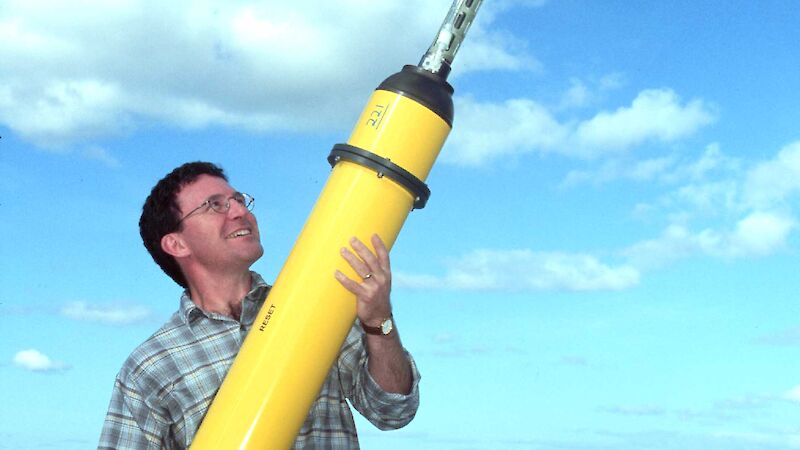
(228, 240)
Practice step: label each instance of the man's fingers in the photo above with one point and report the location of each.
(349, 284)
(360, 267)
(365, 254)
(382, 252)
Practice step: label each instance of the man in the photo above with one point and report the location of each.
(201, 232)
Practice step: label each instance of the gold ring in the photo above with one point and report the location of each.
(367, 276)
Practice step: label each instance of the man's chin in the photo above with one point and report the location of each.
(257, 253)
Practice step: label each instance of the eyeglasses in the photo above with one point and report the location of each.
(221, 204)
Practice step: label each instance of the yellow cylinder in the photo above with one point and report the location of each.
(298, 333)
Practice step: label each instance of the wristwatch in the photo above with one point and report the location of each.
(384, 329)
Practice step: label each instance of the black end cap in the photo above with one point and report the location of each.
(427, 88)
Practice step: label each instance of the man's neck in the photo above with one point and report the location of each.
(221, 294)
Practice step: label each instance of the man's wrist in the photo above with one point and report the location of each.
(384, 328)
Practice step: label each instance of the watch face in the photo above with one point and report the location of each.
(386, 326)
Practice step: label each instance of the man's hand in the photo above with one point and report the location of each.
(372, 293)
(387, 361)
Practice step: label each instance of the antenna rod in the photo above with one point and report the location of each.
(440, 55)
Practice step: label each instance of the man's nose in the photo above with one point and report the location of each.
(236, 209)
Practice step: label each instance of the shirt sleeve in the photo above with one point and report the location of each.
(131, 423)
(385, 410)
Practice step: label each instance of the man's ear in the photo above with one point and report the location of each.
(174, 245)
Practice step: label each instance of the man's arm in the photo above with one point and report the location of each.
(129, 423)
(385, 410)
(388, 363)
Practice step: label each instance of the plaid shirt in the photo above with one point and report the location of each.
(166, 385)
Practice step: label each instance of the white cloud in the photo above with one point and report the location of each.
(574, 360)
(775, 181)
(525, 270)
(745, 211)
(676, 242)
(776, 439)
(114, 315)
(490, 10)
(759, 233)
(793, 394)
(655, 114)
(667, 169)
(577, 95)
(615, 169)
(789, 337)
(708, 213)
(491, 50)
(82, 109)
(635, 410)
(36, 361)
(712, 159)
(707, 197)
(582, 93)
(270, 65)
(102, 155)
(611, 81)
(487, 131)
(74, 72)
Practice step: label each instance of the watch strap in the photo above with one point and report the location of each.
(377, 330)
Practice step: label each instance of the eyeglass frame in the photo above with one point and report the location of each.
(247, 201)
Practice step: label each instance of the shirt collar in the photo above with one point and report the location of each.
(251, 303)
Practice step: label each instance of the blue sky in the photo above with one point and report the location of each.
(608, 259)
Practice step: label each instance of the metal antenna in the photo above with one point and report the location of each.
(440, 55)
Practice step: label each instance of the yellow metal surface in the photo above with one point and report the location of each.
(411, 139)
(297, 334)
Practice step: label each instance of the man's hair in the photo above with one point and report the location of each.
(161, 213)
